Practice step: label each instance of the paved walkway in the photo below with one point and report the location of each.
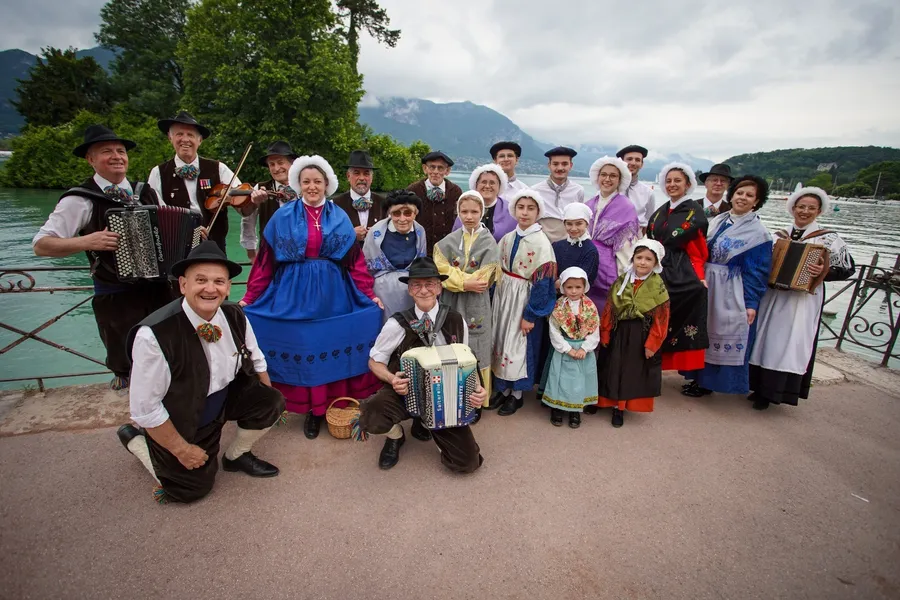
(704, 498)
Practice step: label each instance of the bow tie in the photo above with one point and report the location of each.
(209, 332)
(117, 193)
(435, 194)
(188, 172)
(289, 193)
(362, 203)
(423, 325)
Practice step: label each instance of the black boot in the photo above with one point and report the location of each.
(618, 418)
(390, 454)
(311, 427)
(419, 431)
(510, 406)
(556, 417)
(574, 420)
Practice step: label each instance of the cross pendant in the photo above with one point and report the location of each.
(318, 227)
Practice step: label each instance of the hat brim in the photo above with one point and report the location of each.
(702, 177)
(81, 151)
(179, 268)
(264, 161)
(371, 168)
(407, 278)
(165, 124)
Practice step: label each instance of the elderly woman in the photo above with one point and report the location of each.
(740, 255)
(615, 224)
(491, 182)
(471, 259)
(782, 360)
(390, 247)
(680, 226)
(314, 323)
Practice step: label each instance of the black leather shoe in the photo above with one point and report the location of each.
(495, 402)
(556, 417)
(390, 454)
(127, 433)
(695, 391)
(419, 431)
(311, 426)
(591, 409)
(510, 406)
(618, 418)
(477, 417)
(249, 464)
(574, 420)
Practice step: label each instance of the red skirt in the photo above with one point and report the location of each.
(299, 399)
(684, 360)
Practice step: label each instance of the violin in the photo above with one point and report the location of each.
(238, 197)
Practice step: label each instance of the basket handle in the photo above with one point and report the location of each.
(342, 399)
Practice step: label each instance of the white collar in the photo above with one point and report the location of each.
(432, 314)
(674, 203)
(319, 205)
(355, 196)
(492, 205)
(631, 277)
(574, 305)
(532, 229)
(809, 229)
(393, 229)
(105, 183)
(429, 185)
(181, 163)
(584, 237)
(195, 319)
(713, 204)
(511, 178)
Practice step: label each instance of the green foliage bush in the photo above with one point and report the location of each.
(852, 190)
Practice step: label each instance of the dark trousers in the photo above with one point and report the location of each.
(117, 313)
(250, 403)
(385, 408)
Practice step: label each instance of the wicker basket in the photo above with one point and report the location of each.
(338, 419)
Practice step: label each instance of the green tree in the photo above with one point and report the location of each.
(852, 190)
(889, 173)
(365, 14)
(822, 180)
(289, 75)
(398, 165)
(60, 85)
(145, 35)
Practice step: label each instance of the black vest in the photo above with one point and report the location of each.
(183, 350)
(449, 322)
(174, 193)
(267, 208)
(102, 263)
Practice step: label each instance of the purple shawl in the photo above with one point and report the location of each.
(503, 221)
(616, 225)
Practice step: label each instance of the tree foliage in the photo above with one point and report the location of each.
(398, 165)
(890, 177)
(59, 86)
(145, 34)
(852, 190)
(365, 14)
(800, 164)
(821, 180)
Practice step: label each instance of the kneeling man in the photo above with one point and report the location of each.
(195, 365)
(427, 323)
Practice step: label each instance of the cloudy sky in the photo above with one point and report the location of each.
(707, 78)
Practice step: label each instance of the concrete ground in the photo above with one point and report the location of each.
(704, 498)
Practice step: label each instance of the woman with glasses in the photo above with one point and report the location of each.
(390, 247)
(491, 182)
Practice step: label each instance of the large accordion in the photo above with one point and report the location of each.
(152, 239)
(790, 265)
(441, 380)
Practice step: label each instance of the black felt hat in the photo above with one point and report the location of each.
(632, 148)
(99, 133)
(560, 151)
(206, 252)
(422, 268)
(184, 118)
(437, 155)
(719, 169)
(360, 159)
(279, 148)
(496, 148)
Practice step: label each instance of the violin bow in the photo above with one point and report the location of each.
(230, 183)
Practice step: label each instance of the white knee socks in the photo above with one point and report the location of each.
(517, 394)
(138, 447)
(243, 441)
(395, 432)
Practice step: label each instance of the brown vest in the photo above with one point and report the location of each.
(175, 193)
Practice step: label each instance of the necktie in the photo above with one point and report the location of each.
(188, 172)
(289, 193)
(429, 325)
(435, 194)
(362, 203)
(117, 193)
(209, 332)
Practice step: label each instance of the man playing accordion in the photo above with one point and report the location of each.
(79, 224)
(427, 323)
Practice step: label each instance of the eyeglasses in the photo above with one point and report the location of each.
(491, 184)
(422, 285)
(608, 176)
(436, 168)
(403, 212)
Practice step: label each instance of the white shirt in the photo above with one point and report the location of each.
(154, 181)
(393, 333)
(73, 213)
(641, 196)
(150, 374)
(513, 187)
(249, 240)
(573, 193)
(707, 203)
(558, 339)
(363, 214)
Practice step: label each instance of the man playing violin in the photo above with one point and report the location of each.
(278, 159)
(186, 180)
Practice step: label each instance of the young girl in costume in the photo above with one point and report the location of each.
(574, 334)
(525, 295)
(577, 250)
(633, 327)
(471, 259)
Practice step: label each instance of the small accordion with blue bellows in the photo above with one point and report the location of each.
(441, 380)
(152, 239)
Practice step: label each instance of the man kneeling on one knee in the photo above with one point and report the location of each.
(195, 365)
(427, 323)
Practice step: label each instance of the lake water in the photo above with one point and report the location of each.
(866, 228)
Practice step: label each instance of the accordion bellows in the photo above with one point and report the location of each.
(441, 379)
(152, 239)
(790, 265)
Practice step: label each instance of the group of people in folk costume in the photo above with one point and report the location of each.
(586, 300)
